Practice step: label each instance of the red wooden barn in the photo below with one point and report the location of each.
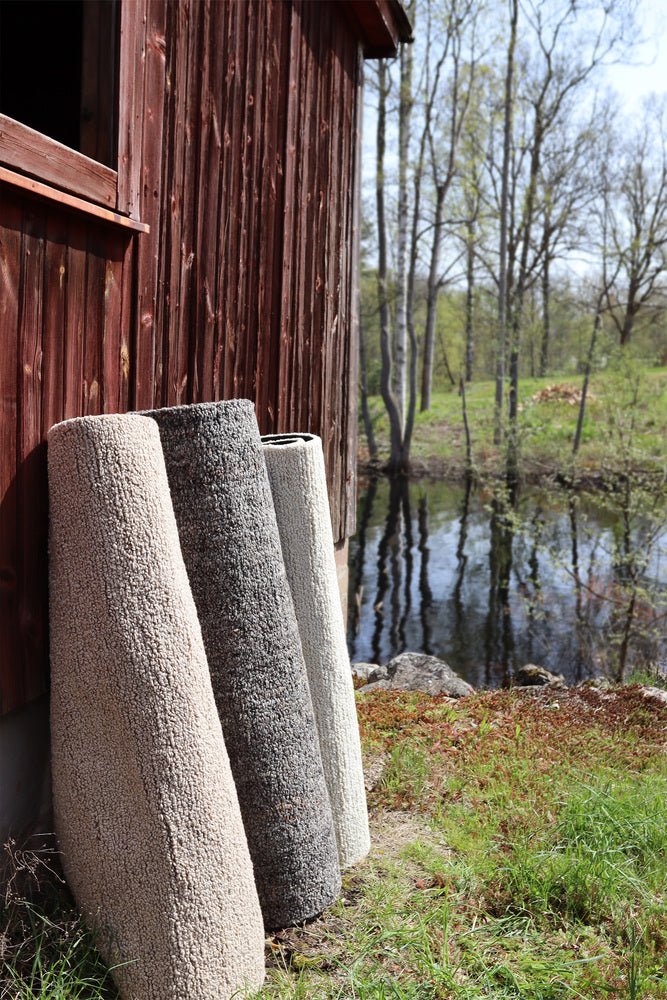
(179, 206)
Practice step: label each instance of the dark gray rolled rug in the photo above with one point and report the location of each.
(295, 464)
(230, 542)
(146, 811)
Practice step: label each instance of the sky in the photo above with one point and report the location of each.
(649, 72)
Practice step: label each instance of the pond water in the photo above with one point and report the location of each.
(435, 568)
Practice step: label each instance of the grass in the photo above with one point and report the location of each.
(537, 866)
(547, 423)
(46, 950)
(519, 851)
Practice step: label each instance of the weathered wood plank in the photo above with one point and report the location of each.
(351, 81)
(11, 225)
(30, 152)
(61, 198)
(345, 524)
(147, 342)
(177, 195)
(232, 44)
(127, 319)
(91, 389)
(31, 488)
(275, 94)
(56, 280)
(246, 353)
(336, 167)
(131, 76)
(206, 308)
(75, 321)
(111, 255)
(289, 269)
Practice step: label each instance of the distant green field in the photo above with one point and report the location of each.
(625, 425)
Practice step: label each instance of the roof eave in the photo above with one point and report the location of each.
(380, 25)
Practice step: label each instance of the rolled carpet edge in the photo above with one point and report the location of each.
(146, 812)
(295, 465)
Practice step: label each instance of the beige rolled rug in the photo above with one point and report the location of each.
(146, 811)
(295, 464)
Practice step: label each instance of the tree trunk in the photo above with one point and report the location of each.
(363, 387)
(404, 122)
(470, 299)
(432, 301)
(587, 372)
(546, 324)
(395, 422)
(504, 206)
(466, 427)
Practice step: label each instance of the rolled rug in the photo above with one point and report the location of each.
(295, 464)
(146, 811)
(230, 542)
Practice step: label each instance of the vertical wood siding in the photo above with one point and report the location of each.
(240, 149)
(60, 278)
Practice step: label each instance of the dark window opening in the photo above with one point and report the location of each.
(58, 71)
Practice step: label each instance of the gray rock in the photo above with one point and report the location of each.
(533, 676)
(362, 670)
(598, 683)
(654, 692)
(418, 672)
(378, 674)
(383, 685)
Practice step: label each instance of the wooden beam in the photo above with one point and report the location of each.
(70, 201)
(24, 149)
(380, 25)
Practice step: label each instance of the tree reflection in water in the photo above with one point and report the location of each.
(440, 569)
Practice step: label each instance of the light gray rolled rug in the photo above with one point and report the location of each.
(230, 542)
(295, 464)
(146, 811)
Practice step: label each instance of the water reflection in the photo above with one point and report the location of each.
(445, 570)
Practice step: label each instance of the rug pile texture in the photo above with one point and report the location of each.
(230, 542)
(146, 810)
(295, 465)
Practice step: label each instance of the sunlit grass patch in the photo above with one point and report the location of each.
(547, 420)
(519, 851)
(46, 950)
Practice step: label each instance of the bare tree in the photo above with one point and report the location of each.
(444, 136)
(404, 130)
(562, 67)
(508, 106)
(397, 458)
(636, 209)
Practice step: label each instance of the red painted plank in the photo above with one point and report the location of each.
(232, 46)
(231, 198)
(345, 523)
(206, 309)
(112, 252)
(11, 224)
(127, 317)
(131, 72)
(91, 387)
(55, 299)
(147, 343)
(275, 94)
(289, 270)
(177, 196)
(246, 290)
(30, 152)
(31, 486)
